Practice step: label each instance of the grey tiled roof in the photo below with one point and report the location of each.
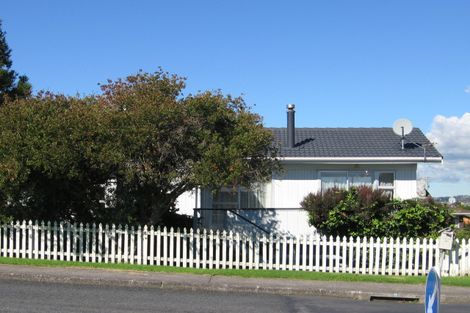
(352, 142)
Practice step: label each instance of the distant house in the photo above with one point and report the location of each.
(315, 159)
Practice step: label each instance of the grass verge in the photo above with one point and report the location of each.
(449, 281)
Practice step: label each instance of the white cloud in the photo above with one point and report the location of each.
(467, 90)
(452, 138)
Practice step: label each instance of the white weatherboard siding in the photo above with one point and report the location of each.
(186, 203)
(287, 191)
(405, 181)
(288, 188)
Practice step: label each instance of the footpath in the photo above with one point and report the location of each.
(351, 290)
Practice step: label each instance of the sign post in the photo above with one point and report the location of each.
(432, 296)
(433, 292)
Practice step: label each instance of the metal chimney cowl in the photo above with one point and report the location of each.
(291, 125)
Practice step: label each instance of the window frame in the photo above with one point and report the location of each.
(373, 174)
(376, 183)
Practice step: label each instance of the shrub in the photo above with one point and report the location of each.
(363, 211)
(463, 233)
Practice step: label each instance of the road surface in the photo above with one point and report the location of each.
(25, 296)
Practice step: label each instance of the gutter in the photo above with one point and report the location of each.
(368, 160)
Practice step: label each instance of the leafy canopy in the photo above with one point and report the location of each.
(59, 154)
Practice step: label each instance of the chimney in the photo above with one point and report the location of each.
(290, 125)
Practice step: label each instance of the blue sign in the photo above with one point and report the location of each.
(433, 292)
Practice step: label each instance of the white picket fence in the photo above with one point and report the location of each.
(209, 249)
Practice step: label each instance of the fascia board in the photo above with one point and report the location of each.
(368, 160)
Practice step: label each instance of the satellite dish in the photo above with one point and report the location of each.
(402, 127)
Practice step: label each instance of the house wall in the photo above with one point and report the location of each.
(287, 189)
(187, 202)
(290, 187)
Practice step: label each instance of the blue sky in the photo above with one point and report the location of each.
(343, 63)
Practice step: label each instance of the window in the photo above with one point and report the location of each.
(224, 199)
(334, 180)
(229, 198)
(344, 179)
(386, 181)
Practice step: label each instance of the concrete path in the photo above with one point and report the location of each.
(352, 290)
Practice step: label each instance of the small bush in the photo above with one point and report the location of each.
(363, 211)
(463, 233)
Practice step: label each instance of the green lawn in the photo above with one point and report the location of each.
(450, 281)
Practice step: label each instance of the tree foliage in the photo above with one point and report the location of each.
(12, 86)
(364, 211)
(58, 154)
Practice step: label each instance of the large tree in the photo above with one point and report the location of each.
(11, 85)
(58, 153)
(174, 143)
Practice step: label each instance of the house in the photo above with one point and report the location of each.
(313, 160)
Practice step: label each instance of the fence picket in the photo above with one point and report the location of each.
(165, 246)
(230, 251)
(152, 245)
(23, 239)
(211, 248)
(224, 249)
(237, 251)
(185, 246)
(371, 264)
(216, 249)
(119, 243)
(159, 246)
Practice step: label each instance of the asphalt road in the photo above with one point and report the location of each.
(23, 296)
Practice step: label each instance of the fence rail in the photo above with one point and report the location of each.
(228, 250)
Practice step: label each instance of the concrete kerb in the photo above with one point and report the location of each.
(350, 290)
